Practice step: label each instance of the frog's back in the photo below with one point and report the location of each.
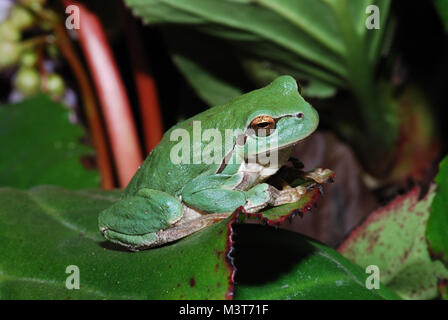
(159, 172)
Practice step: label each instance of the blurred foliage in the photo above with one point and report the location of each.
(40, 146)
(323, 43)
(217, 91)
(442, 7)
(26, 47)
(312, 31)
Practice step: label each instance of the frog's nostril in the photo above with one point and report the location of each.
(300, 115)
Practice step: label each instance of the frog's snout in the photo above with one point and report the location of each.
(309, 118)
(312, 116)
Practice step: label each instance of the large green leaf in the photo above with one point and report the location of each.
(46, 229)
(218, 91)
(213, 80)
(437, 228)
(40, 146)
(285, 265)
(393, 238)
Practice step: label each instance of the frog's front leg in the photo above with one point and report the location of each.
(135, 222)
(219, 193)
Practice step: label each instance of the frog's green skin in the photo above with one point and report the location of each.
(166, 201)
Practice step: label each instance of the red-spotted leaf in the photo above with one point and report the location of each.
(393, 238)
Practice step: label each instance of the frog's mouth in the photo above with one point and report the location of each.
(279, 148)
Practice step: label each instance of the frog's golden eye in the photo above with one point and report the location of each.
(263, 125)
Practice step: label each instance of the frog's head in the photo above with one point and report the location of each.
(274, 117)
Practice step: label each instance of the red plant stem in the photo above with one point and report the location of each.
(90, 106)
(146, 87)
(112, 94)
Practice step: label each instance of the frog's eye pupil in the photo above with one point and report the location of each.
(300, 115)
(263, 125)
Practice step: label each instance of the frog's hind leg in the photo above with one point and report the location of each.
(192, 221)
(135, 221)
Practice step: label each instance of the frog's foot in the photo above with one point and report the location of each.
(130, 241)
(319, 175)
(288, 195)
(135, 221)
(260, 197)
(263, 195)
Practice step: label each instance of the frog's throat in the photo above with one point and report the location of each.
(227, 158)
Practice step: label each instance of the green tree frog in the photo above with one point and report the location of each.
(168, 199)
